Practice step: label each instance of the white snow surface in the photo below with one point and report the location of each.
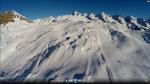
(74, 47)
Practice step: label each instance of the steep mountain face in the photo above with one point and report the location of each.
(77, 47)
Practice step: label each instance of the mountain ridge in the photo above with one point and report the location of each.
(102, 16)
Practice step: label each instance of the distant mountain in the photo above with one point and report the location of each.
(46, 20)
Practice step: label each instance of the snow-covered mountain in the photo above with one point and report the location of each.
(77, 47)
(47, 20)
(12, 16)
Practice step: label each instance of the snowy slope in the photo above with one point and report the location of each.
(86, 47)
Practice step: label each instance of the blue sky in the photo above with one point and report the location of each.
(42, 8)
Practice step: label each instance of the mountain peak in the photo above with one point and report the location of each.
(16, 13)
(9, 16)
(13, 12)
(104, 13)
(76, 13)
(106, 17)
(92, 17)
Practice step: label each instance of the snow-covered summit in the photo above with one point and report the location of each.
(119, 18)
(76, 13)
(92, 17)
(106, 18)
(131, 19)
